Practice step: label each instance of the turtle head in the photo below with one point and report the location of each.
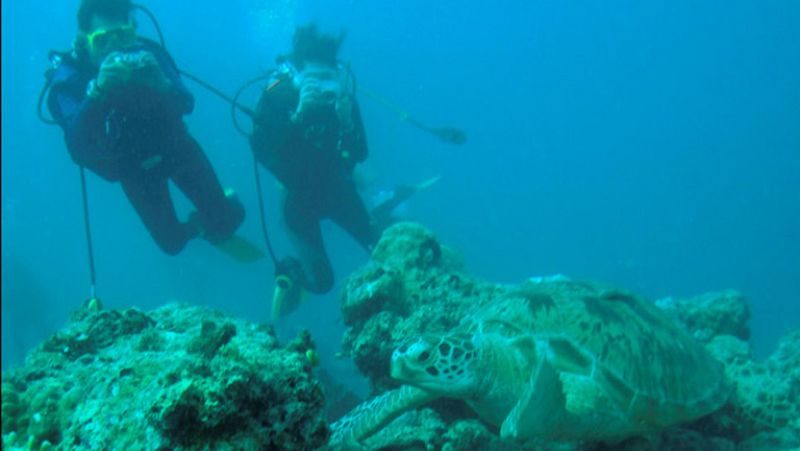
(444, 364)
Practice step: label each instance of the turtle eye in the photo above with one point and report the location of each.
(424, 356)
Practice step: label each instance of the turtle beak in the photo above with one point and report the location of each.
(409, 359)
(398, 368)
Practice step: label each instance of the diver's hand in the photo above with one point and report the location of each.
(146, 71)
(312, 96)
(120, 69)
(115, 71)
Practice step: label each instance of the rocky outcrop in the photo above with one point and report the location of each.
(415, 285)
(179, 377)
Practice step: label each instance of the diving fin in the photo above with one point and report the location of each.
(237, 246)
(241, 249)
(383, 211)
(287, 296)
(289, 292)
(425, 184)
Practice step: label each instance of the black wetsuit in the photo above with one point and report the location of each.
(136, 136)
(314, 161)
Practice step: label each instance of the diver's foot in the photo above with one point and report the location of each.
(195, 225)
(222, 225)
(237, 247)
(233, 216)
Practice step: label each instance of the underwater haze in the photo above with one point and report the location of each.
(654, 146)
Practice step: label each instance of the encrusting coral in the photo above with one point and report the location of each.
(179, 377)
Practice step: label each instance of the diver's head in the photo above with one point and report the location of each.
(104, 26)
(324, 88)
(311, 46)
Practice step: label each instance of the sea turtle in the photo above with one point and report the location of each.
(557, 360)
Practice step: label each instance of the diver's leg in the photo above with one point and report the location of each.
(219, 215)
(306, 235)
(349, 213)
(150, 197)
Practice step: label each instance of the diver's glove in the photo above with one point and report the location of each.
(289, 280)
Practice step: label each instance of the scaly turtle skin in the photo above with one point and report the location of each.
(558, 360)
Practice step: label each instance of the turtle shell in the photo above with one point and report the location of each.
(615, 354)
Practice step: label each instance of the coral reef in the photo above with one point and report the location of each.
(183, 377)
(179, 377)
(766, 396)
(711, 314)
(413, 285)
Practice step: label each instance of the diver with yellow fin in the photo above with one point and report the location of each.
(120, 101)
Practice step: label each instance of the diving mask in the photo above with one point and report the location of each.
(104, 40)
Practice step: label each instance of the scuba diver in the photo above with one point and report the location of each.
(308, 132)
(120, 101)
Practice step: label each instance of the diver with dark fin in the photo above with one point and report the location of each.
(120, 100)
(308, 132)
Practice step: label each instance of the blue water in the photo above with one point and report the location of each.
(651, 145)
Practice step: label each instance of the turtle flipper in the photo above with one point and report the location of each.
(371, 416)
(540, 409)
